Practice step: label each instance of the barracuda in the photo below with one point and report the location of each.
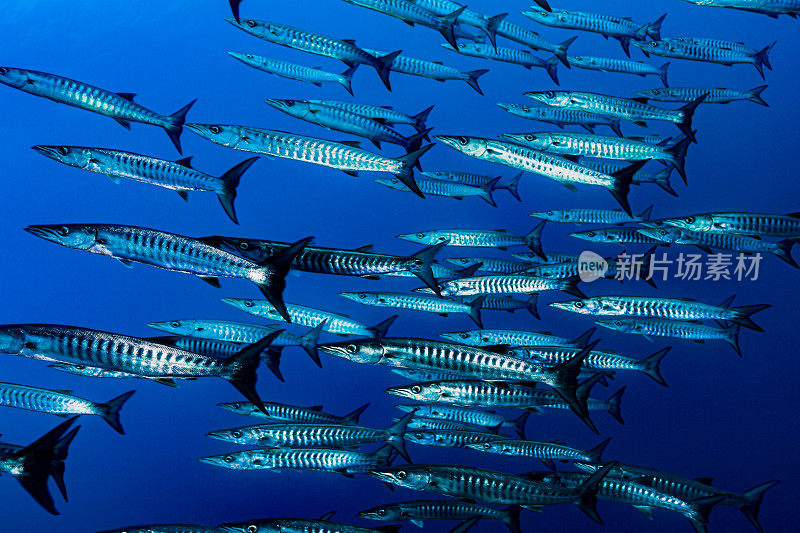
(743, 244)
(616, 489)
(418, 511)
(476, 238)
(339, 119)
(316, 43)
(62, 403)
(508, 55)
(560, 117)
(94, 372)
(486, 419)
(385, 115)
(564, 171)
(451, 438)
(33, 464)
(599, 146)
(344, 157)
(509, 337)
(433, 70)
(592, 216)
(308, 316)
(710, 51)
(300, 525)
(360, 262)
(110, 351)
(714, 96)
(749, 502)
(492, 487)
(221, 330)
(294, 435)
(491, 264)
(659, 327)
(429, 423)
(547, 452)
(673, 308)
(618, 107)
(661, 178)
(174, 252)
(771, 8)
(758, 224)
(417, 302)
(281, 412)
(596, 360)
(552, 258)
(622, 29)
(166, 528)
(486, 24)
(178, 176)
(293, 71)
(119, 106)
(506, 284)
(531, 39)
(509, 304)
(343, 462)
(477, 180)
(415, 374)
(412, 13)
(615, 235)
(622, 66)
(447, 189)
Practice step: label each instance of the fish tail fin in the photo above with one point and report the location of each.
(596, 453)
(762, 59)
(532, 306)
(662, 73)
(352, 418)
(645, 215)
(588, 492)
(37, 464)
(702, 509)
(230, 180)
(551, 66)
(175, 127)
(347, 78)
(583, 390)
(583, 339)
(384, 66)
(622, 184)
(490, 29)
(472, 79)
(276, 268)
(486, 192)
(753, 499)
(60, 452)
(243, 366)
(235, 8)
(616, 127)
(383, 457)
(732, 338)
(422, 268)
(570, 286)
(560, 51)
(310, 340)
(397, 435)
(110, 411)
(534, 240)
(615, 405)
(651, 366)
(512, 186)
(625, 42)
(475, 306)
(420, 119)
(654, 28)
(511, 518)
(448, 26)
(272, 359)
(414, 142)
(567, 384)
(519, 423)
(754, 95)
(662, 180)
(378, 331)
(784, 251)
(678, 156)
(743, 315)
(406, 173)
(688, 112)
(543, 4)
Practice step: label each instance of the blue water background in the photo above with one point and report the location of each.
(729, 418)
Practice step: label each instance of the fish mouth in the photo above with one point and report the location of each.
(406, 237)
(212, 460)
(43, 232)
(47, 151)
(353, 296)
(447, 140)
(332, 349)
(238, 303)
(386, 477)
(369, 515)
(423, 290)
(564, 306)
(579, 235)
(608, 324)
(451, 336)
(276, 102)
(540, 216)
(402, 392)
(217, 435)
(161, 326)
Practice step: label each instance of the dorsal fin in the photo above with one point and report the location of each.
(127, 96)
(349, 41)
(352, 144)
(705, 480)
(328, 515)
(316, 408)
(365, 248)
(185, 162)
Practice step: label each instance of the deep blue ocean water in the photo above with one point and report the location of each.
(728, 418)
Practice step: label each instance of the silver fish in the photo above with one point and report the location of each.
(281, 412)
(561, 117)
(417, 302)
(508, 55)
(714, 96)
(293, 71)
(677, 329)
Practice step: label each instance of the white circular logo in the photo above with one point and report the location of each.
(591, 266)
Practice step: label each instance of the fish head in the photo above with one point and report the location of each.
(295, 108)
(472, 337)
(421, 392)
(553, 216)
(437, 175)
(235, 435)
(366, 298)
(261, 308)
(247, 59)
(423, 437)
(240, 408)
(653, 47)
(260, 28)
(15, 77)
(472, 49)
(539, 141)
(463, 262)
(592, 235)
(651, 93)
(543, 16)
(392, 183)
(424, 237)
(471, 146)
(256, 251)
(407, 476)
(69, 155)
(252, 526)
(667, 235)
(229, 136)
(492, 446)
(75, 236)
(692, 222)
(12, 340)
(232, 461)
(185, 328)
(588, 306)
(551, 98)
(621, 325)
(367, 351)
(384, 513)
(582, 61)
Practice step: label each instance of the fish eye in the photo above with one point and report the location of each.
(420, 235)
(3, 71)
(461, 45)
(244, 246)
(487, 445)
(401, 474)
(617, 323)
(590, 234)
(463, 335)
(418, 435)
(248, 303)
(549, 213)
(249, 56)
(395, 180)
(229, 458)
(251, 23)
(578, 305)
(653, 44)
(362, 295)
(530, 137)
(352, 348)
(485, 339)
(416, 389)
(63, 150)
(63, 230)
(381, 513)
(236, 405)
(550, 94)
(289, 103)
(236, 433)
(252, 528)
(215, 130)
(690, 220)
(662, 232)
(513, 106)
(578, 58)
(463, 140)
(175, 324)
